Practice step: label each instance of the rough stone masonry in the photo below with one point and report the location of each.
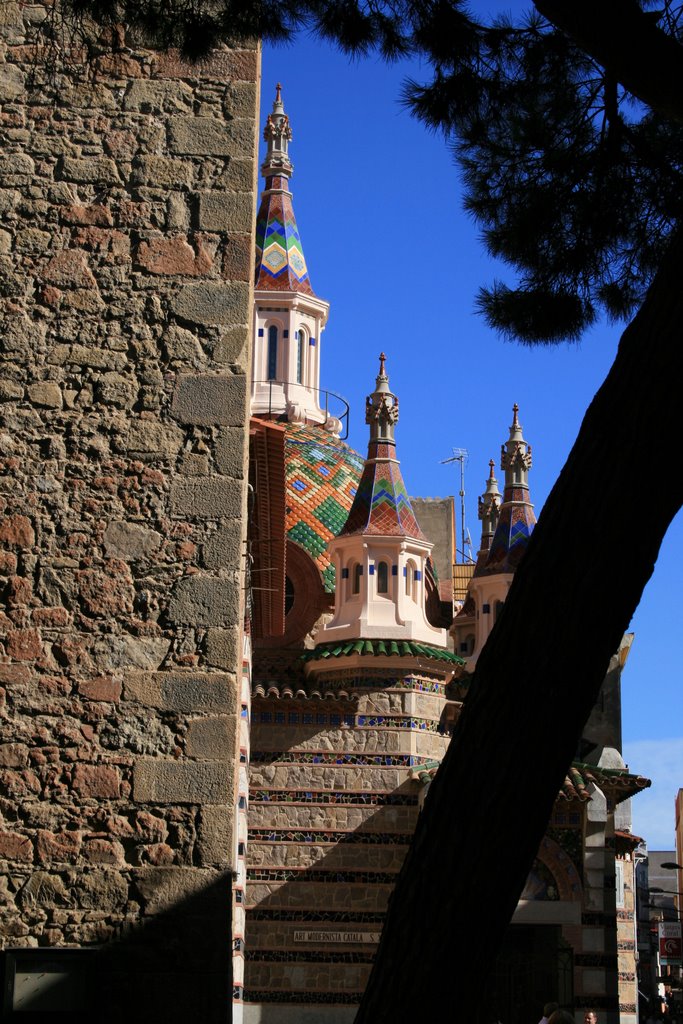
(127, 202)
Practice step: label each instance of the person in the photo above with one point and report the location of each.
(562, 1017)
(548, 1011)
(590, 1017)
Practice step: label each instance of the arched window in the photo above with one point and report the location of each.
(356, 574)
(300, 342)
(382, 578)
(411, 580)
(272, 352)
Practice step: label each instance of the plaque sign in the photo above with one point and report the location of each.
(329, 936)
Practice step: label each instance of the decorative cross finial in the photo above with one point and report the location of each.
(382, 361)
(491, 468)
(278, 93)
(515, 410)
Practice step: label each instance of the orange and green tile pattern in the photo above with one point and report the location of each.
(322, 476)
(280, 261)
(382, 506)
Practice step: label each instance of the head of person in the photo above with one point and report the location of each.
(561, 1017)
(549, 1009)
(590, 1017)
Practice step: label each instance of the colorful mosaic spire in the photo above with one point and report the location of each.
(516, 519)
(280, 262)
(488, 512)
(381, 506)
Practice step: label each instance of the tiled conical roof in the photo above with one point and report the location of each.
(381, 506)
(280, 262)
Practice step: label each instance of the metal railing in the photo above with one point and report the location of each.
(334, 404)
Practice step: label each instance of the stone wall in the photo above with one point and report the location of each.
(127, 197)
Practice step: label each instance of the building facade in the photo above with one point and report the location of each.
(357, 686)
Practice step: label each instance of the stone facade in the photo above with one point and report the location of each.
(127, 195)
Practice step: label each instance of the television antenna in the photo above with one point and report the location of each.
(461, 455)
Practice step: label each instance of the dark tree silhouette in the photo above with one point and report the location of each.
(568, 125)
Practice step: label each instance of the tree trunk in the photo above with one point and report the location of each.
(538, 677)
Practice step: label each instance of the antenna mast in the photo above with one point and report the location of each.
(461, 455)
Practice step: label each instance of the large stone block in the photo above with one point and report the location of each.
(12, 83)
(208, 136)
(93, 171)
(186, 692)
(158, 96)
(230, 452)
(206, 498)
(222, 65)
(215, 838)
(232, 347)
(223, 648)
(203, 601)
(101, 890)
(223, 550)
(130, 541)
(183, 782)
(213, 302)
(209, 399)
(161, 172)
(152, 437)
(212, 738)
(224, 211)
(166, 888)
(16, 169)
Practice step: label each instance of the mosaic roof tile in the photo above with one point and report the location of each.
(381, 506)
(329, 471)
(280, 260)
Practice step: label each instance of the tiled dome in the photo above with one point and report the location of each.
(322, 476)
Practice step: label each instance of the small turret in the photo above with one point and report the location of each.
(380, 555)
(516, 520)
(488, 511)
(288, 317)
(506, 529)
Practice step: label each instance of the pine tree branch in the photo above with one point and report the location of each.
(626, 41)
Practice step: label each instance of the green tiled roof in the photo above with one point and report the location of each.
(388, 648)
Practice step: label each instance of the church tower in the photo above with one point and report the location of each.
(506, 529)
(288, 316)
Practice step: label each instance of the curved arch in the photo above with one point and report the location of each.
(561, 867)
(307, 595)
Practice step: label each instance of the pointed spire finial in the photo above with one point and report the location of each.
(515, 418)
(492, 466)
(382, 361)
(278, 92)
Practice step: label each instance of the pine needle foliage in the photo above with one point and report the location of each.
(576, 184)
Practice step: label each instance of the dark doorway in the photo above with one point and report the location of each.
(535, 966)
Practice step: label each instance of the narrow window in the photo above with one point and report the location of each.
(499, 608)
(411, 580)
(382, 578)
(357, 573)
(300, 341)
(272, 353)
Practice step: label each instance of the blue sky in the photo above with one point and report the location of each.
(379, 210)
